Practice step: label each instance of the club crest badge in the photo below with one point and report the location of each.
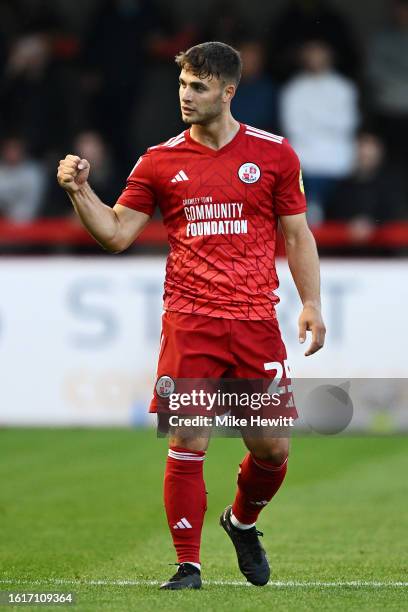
(165, 386)
(249, 173)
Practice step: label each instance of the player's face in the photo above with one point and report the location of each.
(201, 100)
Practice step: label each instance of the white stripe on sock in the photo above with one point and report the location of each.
(185, 456)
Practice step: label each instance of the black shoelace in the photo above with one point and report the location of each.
(183, 570)
(248, 539)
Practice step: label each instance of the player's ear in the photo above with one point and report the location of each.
(229, 92)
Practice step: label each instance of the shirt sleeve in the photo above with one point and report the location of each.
(289, 193)
(139, 192)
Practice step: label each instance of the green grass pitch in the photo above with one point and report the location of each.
(86, 505)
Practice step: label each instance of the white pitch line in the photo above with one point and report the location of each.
(279, 584)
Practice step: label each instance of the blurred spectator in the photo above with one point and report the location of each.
(225, 22)
(22, 182)
(37, 94)
(3, 57)
(103, 177)
(319, 115)
(303, 20)
(91, 146)
(115, 66)
(255, 102)
(375, 193)
(168, 36)
(11, 17)
(388, 75)
(156, 115)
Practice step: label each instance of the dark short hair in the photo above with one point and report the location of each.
(211, 59)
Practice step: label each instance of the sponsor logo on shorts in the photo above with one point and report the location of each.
(165, 386)
(249, 172)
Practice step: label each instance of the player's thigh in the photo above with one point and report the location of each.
(194, 355)
(261, 362)
(193, 346)
(259, 350)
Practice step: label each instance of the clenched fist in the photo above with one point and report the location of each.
(72, 173)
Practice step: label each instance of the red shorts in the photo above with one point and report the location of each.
(203, 347)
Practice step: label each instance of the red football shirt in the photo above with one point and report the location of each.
(220, 208)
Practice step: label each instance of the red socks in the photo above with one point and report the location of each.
(185, 501)
(258, 481)
(185, 496)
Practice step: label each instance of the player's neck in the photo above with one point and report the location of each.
(216, 134)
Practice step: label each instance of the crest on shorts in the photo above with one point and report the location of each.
(249, 172)
(165, 386)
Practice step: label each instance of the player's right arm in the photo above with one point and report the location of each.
(114, 228)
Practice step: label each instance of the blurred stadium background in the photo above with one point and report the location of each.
(79, 330)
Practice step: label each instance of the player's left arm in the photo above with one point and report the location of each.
(304, 266)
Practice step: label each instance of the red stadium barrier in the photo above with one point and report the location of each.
(339, 234)
(69, 232)
(65, 231)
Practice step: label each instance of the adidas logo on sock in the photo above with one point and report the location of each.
(259, 503)
(182, 524)
(180, 176)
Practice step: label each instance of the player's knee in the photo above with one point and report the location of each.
(188, 442)
(275, 452)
